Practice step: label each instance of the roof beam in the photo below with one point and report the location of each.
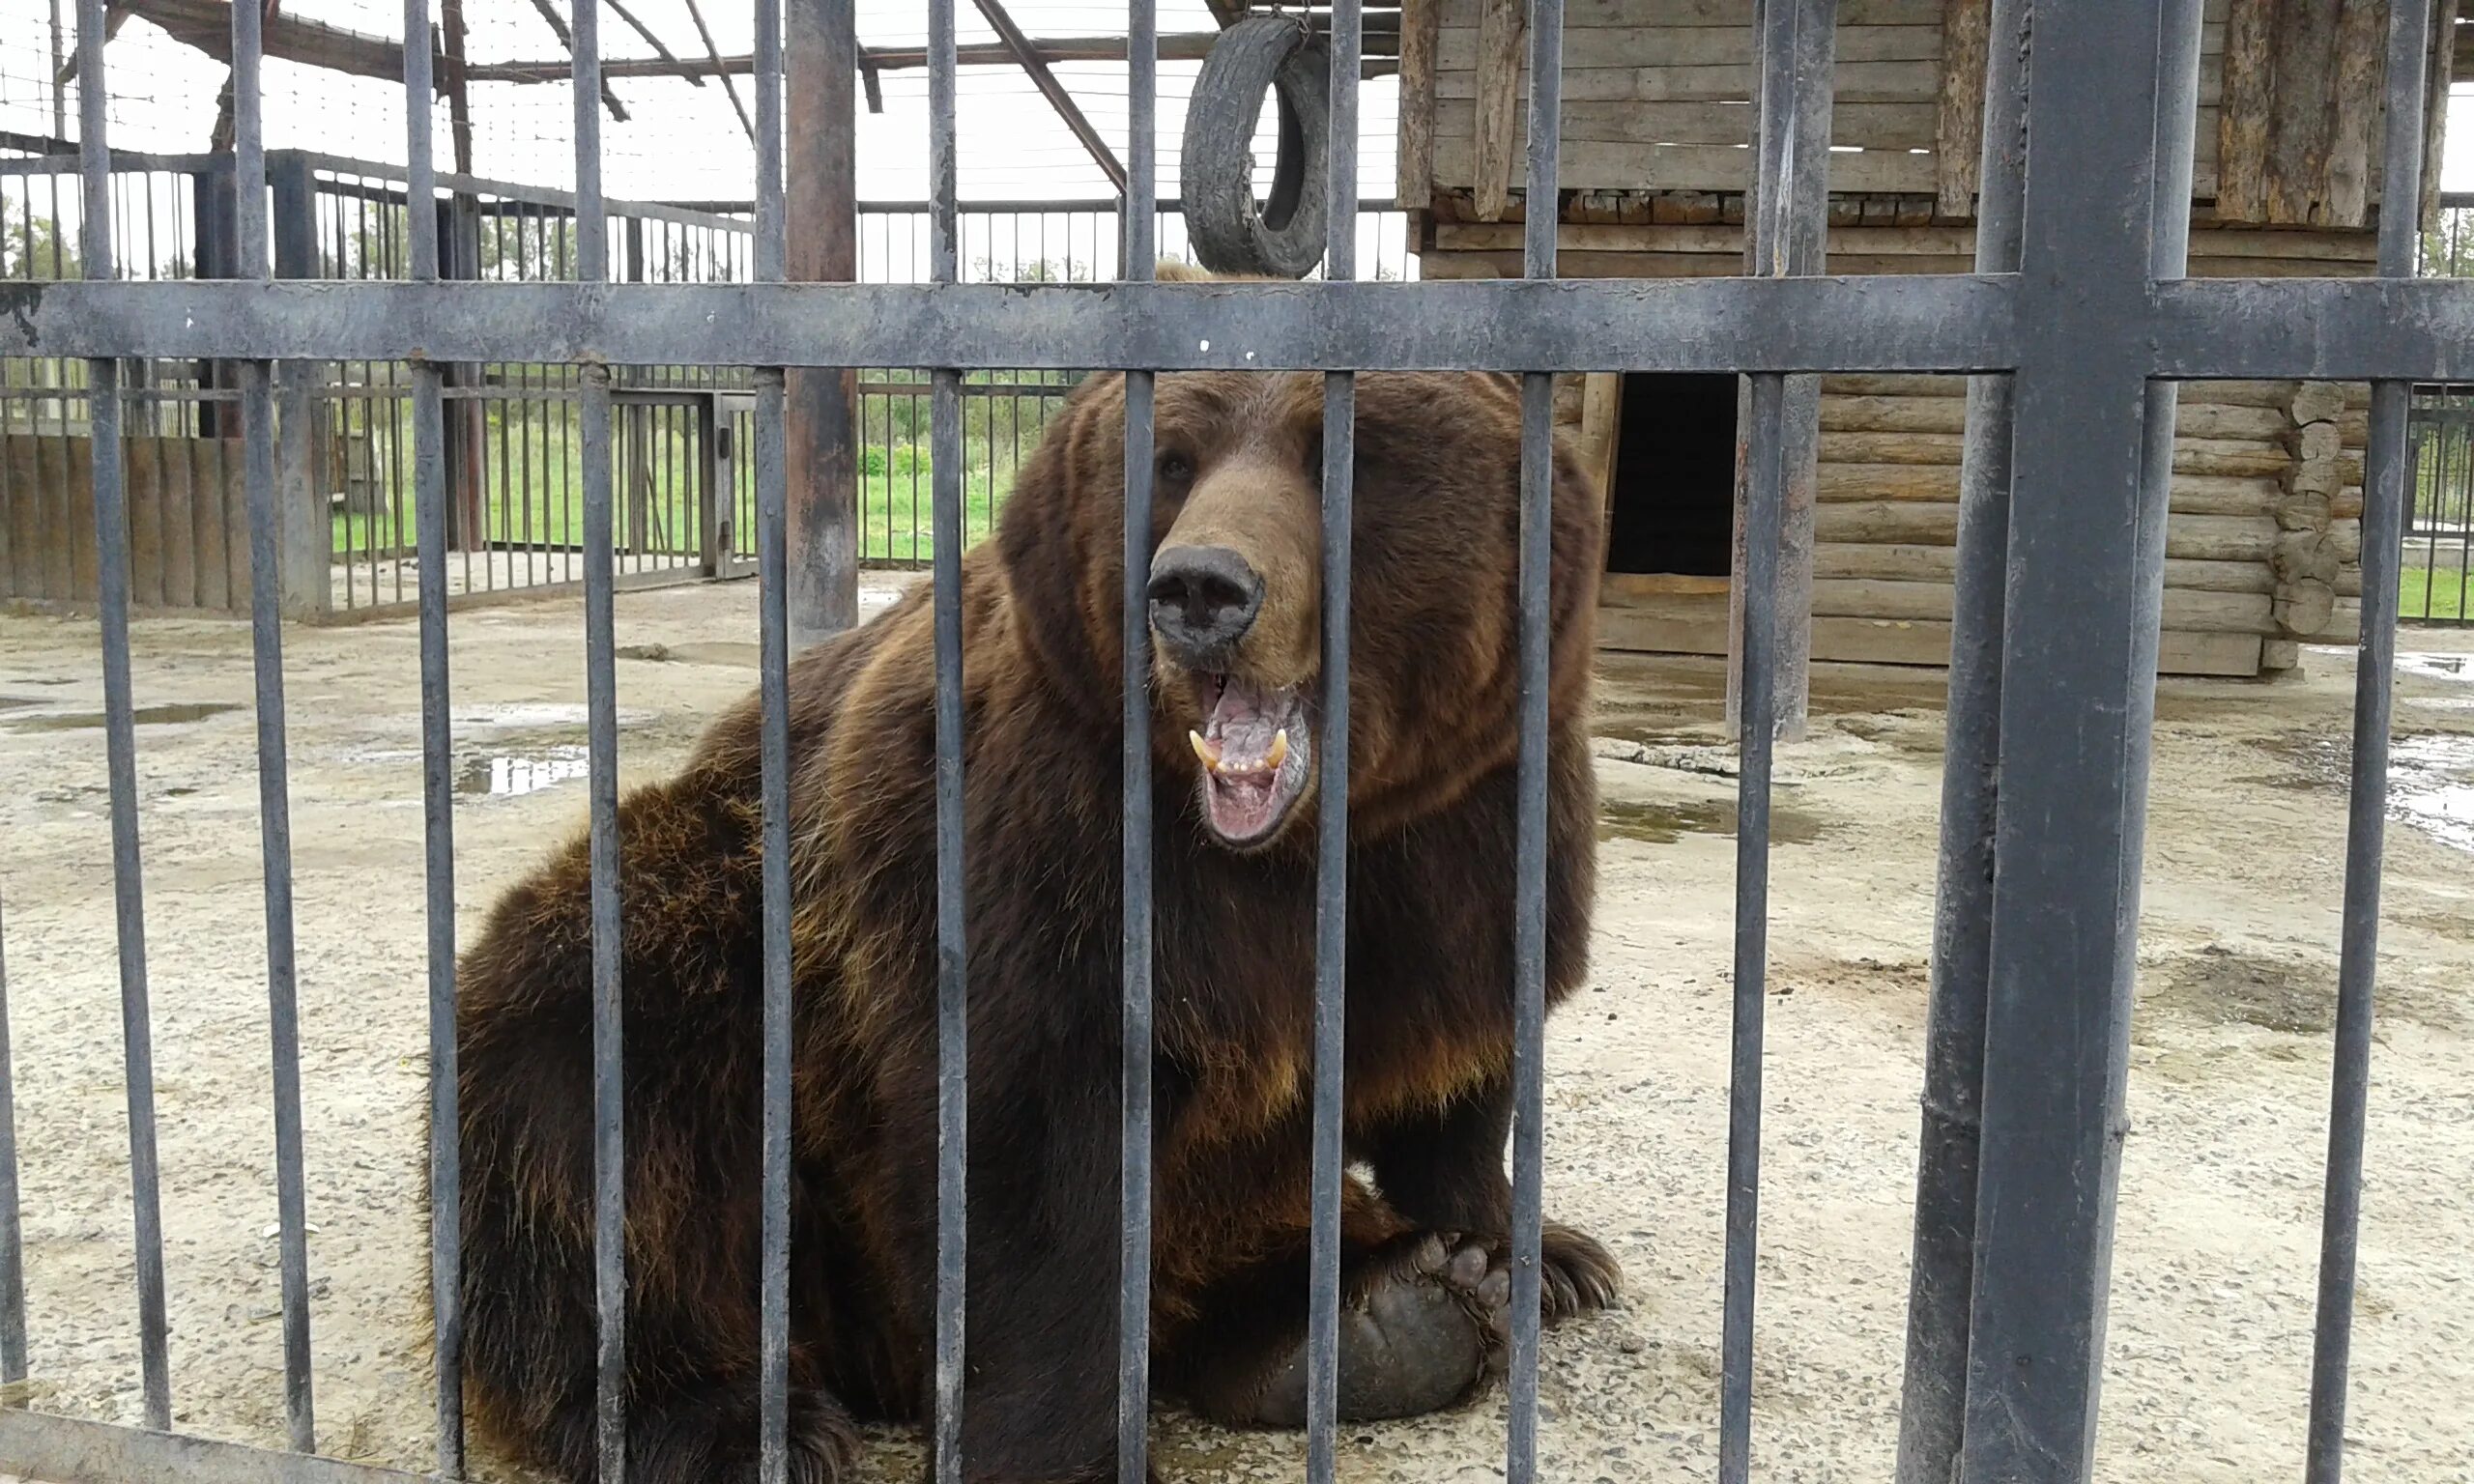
(1052, 90)
(729, 85)
(558, 27)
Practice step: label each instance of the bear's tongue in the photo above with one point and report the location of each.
(1251, 748)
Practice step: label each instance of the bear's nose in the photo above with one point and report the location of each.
(1204, 599)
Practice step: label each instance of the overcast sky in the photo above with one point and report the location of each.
(685, 142)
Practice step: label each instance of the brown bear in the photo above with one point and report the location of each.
(1235, 612)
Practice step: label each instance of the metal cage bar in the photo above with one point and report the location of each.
(12, 1237)
(111, 541)
(1140, 216)
(953, 1036)
(773, 620)
(1535, 688)
(2386, 462)
(1346, 44)
(274, 802)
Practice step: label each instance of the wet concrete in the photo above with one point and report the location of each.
(144, 716)
(1666, 822)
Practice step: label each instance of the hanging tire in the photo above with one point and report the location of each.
(1284, 236)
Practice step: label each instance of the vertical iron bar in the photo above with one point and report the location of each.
(1543, 212)
(438, 789)
(1941, 1281)
(945, 532)
(1134, 1175)
(12, 1262)
(1332, 859)
(1795, 39)
(773, 618)
(274, 802)
(2086, 533)
(2384, 494)
(111, 538)
(601, 724)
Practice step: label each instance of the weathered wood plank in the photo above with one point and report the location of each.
(1582, 14)
(2301, 108)
(1459, 47)
(2242, 121)
(2190, 611)
(1939, 565)
(1950, 241)
(1592, 166)
(1855, 82)
(1420, 25)
(1699, 626)
(1489, 165)
(1864, 126)
(2435, 114)
(1967, 27)
(2362, 27)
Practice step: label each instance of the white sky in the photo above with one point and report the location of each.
(684, 142)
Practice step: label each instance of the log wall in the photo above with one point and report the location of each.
(186, 522)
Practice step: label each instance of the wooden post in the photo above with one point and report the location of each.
(1500, 27)
(2362, 27)
(1801, 253)
(305, 537)
(821, 51)
(1958, 133)
(2435, 122)
(2300, 108)
(2242, 121)
(1421, 32)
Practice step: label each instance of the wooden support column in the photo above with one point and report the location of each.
(1785, 234)
(2443, 72)
(821, 410)
(2362, 63)
(1421, 32)
(1958, 133)
(1500, 27)
(2242, 122)
(2301, 112)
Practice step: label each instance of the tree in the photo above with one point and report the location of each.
(34, 250)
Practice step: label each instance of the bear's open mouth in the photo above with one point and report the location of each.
(1256, 753)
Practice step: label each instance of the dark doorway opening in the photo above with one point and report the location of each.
(1672, 509)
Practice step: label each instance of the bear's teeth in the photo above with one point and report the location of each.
(1279, 752)
(1203, 750)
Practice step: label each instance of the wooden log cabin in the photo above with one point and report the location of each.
(2264, 536)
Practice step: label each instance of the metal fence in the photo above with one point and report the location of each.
(2076, 327)
(2439, 519)
(514, 483)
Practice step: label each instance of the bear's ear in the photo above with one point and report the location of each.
(1056, 565)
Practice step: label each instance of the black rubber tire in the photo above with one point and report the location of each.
(1284, 237)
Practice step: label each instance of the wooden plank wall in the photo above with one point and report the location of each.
(188, 513)
(1656, 97)
(2262, 546)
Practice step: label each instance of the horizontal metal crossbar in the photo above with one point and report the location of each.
(72, 1450)
(2331, 329)
(1875, 324)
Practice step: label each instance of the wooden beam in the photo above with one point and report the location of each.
(1042, 78)
(1958, 142)
(1181, 47)
(2300, 110)
(454, 83)
(713, 54)
(619, 10)
(1500, 28)
(206, 25)
(2242, 118)
(567, 39)
(1421, 26)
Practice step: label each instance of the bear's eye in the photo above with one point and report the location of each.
(1175, 470)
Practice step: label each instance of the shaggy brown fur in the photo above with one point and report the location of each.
(1430, 1024)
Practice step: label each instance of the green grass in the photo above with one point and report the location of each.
(896, 511)
(2435, 594)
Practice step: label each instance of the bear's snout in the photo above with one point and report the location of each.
(1203, 600)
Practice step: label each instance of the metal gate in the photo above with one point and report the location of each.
(2076, 326)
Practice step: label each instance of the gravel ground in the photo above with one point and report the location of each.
(2219, 1221)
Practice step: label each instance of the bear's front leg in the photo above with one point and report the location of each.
(1041, 1265)
(1444, 1170)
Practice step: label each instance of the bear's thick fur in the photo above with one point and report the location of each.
(1433, 740)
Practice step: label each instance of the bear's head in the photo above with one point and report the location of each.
(1234, 589)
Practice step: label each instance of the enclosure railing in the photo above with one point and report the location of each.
(2439, 517)
(513, 473)
(2077, 325)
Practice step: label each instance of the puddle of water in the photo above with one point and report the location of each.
(145, 716)
(2435, 666)
(2430, 779)
(511, 775)
(1663, 824)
